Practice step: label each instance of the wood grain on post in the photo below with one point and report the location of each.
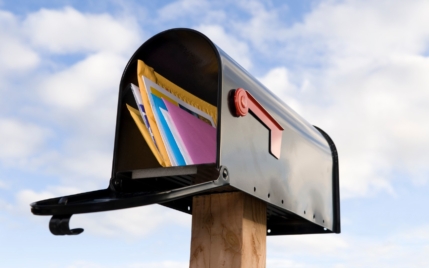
(228, 231)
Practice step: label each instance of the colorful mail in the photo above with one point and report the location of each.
(179, 128)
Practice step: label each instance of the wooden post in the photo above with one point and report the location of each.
(228, 231)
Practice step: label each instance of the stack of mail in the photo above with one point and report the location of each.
(177, 132)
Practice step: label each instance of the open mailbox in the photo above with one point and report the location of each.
(262, 147)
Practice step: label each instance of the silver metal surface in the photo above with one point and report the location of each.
(163, 172)
(301, 180)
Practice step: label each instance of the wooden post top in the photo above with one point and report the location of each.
(228, 231)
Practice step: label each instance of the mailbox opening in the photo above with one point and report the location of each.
(185, 58)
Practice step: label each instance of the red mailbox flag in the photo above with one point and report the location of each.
(244, 101)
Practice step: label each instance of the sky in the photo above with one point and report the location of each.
(357, 69)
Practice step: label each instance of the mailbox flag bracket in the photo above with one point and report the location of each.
(62, 208)
(243, 102)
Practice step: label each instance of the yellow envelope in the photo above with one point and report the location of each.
(149, 72)
(135, 114)
(149, 113)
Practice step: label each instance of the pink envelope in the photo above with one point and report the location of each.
(198, 137)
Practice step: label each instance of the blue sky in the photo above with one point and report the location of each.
(357, 69)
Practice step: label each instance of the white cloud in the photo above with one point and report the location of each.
(278, 81)
(343, 28)
(15, 55)
(70, 31)
(367, 28)
(264, 27)
(82, 97)
(160, 264)
(133, 223)
(20, 140)
(25, 197)
(86, 170)
(300, 244)
(82, 102)
(383, 112)
(235, 48)
(345, 250)
(85, 264)
(84, 83)
(281, 263)
(5, 206)
(182, 8)
(360, 74)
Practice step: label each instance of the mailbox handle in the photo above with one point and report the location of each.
(244, 101)
(62, 208)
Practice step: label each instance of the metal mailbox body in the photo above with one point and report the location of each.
(300, 187)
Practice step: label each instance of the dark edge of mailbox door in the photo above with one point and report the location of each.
(335, 182)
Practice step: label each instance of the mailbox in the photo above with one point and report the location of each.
(263, 147)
